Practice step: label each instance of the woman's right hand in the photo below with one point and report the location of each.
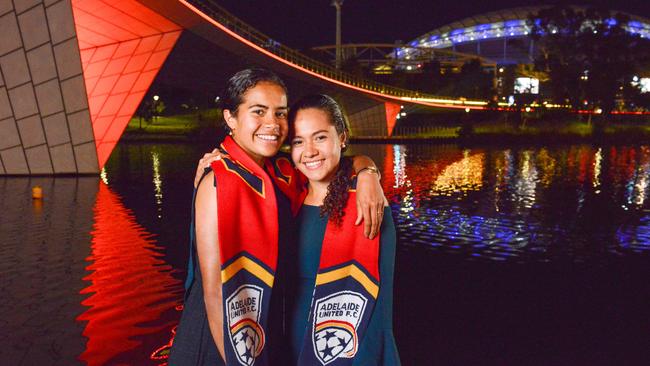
(205, 163)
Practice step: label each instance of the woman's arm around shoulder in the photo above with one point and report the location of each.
(370, 195)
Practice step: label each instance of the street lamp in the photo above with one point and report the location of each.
(338, 4)
(154, 107)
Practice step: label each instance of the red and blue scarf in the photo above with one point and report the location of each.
(347, 282)
(248, 242)
(346, 289)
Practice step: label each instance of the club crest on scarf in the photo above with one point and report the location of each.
(246, 334)
(336, 319)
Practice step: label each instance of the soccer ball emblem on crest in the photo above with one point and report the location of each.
(336, 318)
(248, 339)
(243, 310)
(333, 340)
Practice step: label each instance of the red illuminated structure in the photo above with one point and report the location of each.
(392, 110)
(122, 44)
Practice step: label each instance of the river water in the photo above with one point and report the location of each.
(525, 255)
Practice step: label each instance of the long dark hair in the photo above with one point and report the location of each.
(241, 82)
(337, 191)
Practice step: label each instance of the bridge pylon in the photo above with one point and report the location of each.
(72, 73)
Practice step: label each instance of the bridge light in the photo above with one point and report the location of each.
(467, 110)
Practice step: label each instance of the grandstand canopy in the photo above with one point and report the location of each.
(502, 24)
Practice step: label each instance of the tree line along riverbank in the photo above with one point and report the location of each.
(478, 127)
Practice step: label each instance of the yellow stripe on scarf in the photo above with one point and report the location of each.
(249, 265)
(349, 270)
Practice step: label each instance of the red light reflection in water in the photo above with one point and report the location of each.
(133, 293)
(624, 161)
(402, 179)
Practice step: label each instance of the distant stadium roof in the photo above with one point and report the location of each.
(503, 23)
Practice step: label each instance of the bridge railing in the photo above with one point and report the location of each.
(218, 13)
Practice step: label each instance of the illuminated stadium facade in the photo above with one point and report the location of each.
(501, 36)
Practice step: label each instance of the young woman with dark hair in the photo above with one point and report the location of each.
(243, 234)
(342, 308)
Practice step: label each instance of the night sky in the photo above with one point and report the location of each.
(201, 68)
(309, 23)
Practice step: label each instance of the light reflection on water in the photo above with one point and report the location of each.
(529, 204)
(133, 294)
(82, 280)
(157, 181)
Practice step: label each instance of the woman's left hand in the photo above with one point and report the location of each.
(205, 162)
(370, 203)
